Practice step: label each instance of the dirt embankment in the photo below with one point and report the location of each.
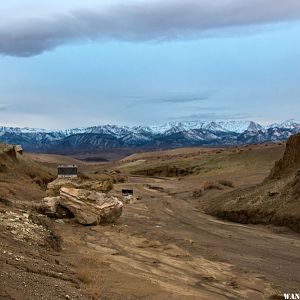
(31, 264)
(290, 161)
(21, 178)
(275, 201)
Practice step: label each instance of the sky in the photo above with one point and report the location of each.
(71, 63)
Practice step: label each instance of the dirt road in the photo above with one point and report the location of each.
(163, 248)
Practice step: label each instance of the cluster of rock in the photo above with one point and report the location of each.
(12, 150)
(86, 201)
(130, 199)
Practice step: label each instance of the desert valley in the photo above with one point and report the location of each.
(203, 223)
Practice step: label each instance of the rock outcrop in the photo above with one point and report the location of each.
(290, 162)
(12, 150)
(19, 149)
(88, 207)
(22, 179)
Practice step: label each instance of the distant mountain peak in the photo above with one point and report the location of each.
(171, 134)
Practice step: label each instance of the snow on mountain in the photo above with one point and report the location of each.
(170, 127)
(173, 134)
(289, 124)
(4, 130)
(222, 126)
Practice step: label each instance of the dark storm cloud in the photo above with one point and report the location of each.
(31, 33)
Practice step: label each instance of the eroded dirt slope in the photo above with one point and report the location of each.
(20, 178)
(31, 262)
(274, 201)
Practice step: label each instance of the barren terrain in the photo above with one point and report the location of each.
(163, 246)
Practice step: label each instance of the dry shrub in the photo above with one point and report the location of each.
(210, 185)
(164, 171)
(197, 193)
(3, 168)
(42, 182)
(120, 178)
(6, 201)
(99, 186)
(54, 241)
(226, 182)
(107, 186)
(83, 176)
(91, 275)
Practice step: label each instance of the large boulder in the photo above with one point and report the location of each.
(54, 187)
(51, 207)
(88, 207)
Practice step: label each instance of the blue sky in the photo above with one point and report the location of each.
(64, 64)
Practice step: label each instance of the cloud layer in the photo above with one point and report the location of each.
(173, 98)
(211, 116)
(33, 32)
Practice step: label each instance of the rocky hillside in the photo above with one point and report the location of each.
(170, 135)
(275, 201)
(20, 178)
(31, 266)
(291, 159)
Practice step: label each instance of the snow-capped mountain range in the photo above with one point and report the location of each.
(169, 135)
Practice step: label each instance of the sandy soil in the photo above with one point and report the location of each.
(53, 159)
(162, 248)
(31, 264)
